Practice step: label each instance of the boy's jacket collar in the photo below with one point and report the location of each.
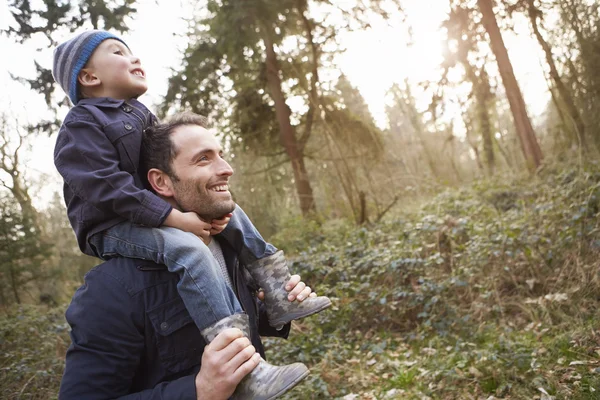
(108, 102)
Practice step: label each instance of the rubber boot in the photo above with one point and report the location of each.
(266, 381)
(272, 274)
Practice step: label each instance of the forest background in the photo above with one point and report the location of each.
(454, 223)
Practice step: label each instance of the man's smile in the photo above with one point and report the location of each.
(220, 188)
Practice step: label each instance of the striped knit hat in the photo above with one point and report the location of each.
(71, 56)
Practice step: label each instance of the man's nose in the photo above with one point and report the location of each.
(135, 60)
(224, 168)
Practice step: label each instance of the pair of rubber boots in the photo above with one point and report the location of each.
(267, 381)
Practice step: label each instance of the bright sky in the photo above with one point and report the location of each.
(374, 59)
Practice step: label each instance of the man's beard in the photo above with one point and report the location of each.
(190, 198)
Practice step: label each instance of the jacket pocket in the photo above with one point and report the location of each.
(126, 139)
(178, 339)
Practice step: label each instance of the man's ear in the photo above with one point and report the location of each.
(161, 183)
(87, 78)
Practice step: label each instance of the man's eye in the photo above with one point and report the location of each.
(119, 52)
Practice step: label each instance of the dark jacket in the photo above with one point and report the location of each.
(132, 337)
(98, 155)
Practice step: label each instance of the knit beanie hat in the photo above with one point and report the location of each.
(71, 56)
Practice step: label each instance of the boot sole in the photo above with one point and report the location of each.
(291, 386)
(295, 316)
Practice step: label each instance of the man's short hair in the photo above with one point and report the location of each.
(158, 150)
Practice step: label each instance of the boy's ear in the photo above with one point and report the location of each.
(160, 182)
(87, 78)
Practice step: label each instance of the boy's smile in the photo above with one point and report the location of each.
(114, 72)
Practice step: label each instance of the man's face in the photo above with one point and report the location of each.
(120, 72)
(202, 175)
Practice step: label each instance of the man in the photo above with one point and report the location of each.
(132, 336)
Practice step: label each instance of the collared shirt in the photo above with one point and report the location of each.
(132, 337)
(97, 153)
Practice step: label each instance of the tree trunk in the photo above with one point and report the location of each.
(22, 197)
(286, 130)
(483, 95)
(529, 144)
(564, 93)
(486, 134)
(14, 285)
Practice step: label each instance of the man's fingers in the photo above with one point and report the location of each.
(246, 368)
(240, 357)
(304, 294)
(296, 291)
(235, 347)
(224, 338)
(292, 282)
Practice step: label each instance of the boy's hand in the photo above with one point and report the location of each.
(189, 222)
(217, 225)
(298, 290)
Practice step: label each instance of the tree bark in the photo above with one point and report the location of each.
(564, 93)
(529, 144)
(14, 285)
(313, 96)
(473, 145)
(483, 95)
(287, 133)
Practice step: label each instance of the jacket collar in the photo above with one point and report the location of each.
(109, 102)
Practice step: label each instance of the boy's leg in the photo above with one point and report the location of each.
(269, 269)
(204, 290)
(272, 275)
(245, 239)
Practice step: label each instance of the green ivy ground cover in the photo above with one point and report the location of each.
(488, 292)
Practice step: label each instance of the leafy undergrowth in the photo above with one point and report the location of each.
(33, 342)
(488, 292)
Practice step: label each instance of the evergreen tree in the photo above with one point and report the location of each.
(21, 252)
(51, 18)
(244, 62)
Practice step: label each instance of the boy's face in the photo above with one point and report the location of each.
(113, 71)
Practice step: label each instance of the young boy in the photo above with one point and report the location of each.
(98, 154)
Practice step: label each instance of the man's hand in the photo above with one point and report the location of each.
(225, 362)
(189, 222)
(298, 290)
(217, 225)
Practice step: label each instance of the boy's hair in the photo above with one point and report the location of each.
(71, 57)
(158, 150)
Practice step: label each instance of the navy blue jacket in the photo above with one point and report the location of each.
(98, 155)
(132, 337)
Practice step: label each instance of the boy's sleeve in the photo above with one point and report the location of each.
(89, 164)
